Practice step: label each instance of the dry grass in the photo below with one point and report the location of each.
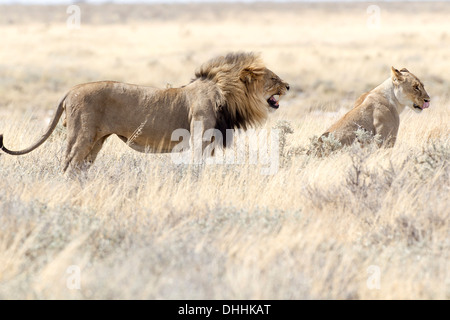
(138, 226)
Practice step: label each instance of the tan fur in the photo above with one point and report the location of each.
(227, 92)
(377, 111)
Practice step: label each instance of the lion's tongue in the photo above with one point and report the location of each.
(425, 105)
(274, 101)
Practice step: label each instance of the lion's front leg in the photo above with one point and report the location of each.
(203, 138)
(388, 135)
(386, 126)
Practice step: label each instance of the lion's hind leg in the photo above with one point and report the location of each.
(82, 151)
(90, 158)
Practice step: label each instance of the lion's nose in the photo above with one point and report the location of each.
(426, 100)
(288, 87)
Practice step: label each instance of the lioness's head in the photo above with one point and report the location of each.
(409, 90)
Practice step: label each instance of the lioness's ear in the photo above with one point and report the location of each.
(404, 70)
(396, 75)
(248, 75)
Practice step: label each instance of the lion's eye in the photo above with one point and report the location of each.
(416, 87)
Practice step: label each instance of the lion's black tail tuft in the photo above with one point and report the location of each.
(1, 142)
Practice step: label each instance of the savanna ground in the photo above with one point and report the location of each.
(360, 223)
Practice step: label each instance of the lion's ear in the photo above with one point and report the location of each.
(396, 75)
(404, 70)
(249, 75)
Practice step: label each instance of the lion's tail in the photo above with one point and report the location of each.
(44, 137)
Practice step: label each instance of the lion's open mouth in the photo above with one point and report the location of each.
(273, 102)
(424, 106)
(417, 107)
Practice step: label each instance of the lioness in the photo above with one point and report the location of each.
(232, 91)
(377, 111)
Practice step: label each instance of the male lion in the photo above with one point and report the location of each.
(377, 111)
(232, 91)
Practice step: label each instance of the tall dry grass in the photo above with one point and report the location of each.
(361, 223)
